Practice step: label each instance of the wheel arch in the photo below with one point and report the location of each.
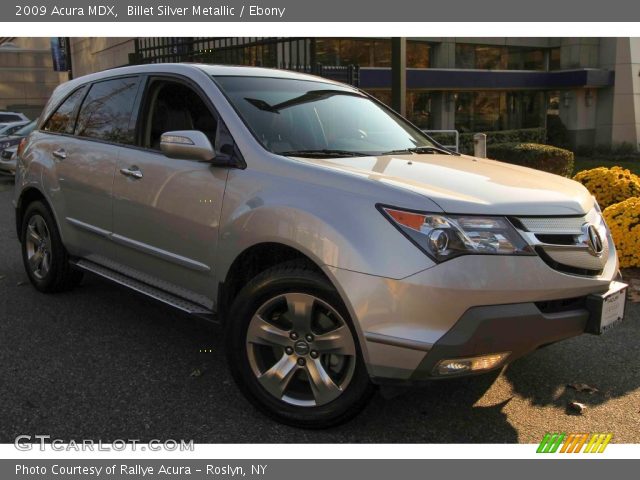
(254, 260)
(29, 195)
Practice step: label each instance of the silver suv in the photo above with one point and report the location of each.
(340, 247)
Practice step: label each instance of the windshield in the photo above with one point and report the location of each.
(26, 130)
(311, 118)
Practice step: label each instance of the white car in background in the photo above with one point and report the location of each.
(7, 129)
(9, 117)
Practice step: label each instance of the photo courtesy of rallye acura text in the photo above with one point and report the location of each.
(340, 247)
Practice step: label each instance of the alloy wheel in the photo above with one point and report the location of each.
(38, 247)
(301, 350)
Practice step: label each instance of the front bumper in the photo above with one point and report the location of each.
(517, 328)
(468, 306)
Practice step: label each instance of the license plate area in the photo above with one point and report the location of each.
(606, 310)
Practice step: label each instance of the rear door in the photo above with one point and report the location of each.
(85, 148)
(166, 211)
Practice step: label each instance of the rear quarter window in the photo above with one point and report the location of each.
(63, 119)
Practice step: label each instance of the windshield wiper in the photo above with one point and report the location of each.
(328, 153)
(425, 149)
(312, 96)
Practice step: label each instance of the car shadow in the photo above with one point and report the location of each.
(587, 369)
(440, 412)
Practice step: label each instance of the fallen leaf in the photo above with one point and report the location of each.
(583, 387)
(577, 407)
(196, 373)
(1, 277)
(21, 283)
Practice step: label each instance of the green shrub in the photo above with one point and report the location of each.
(534, 155)
(557, 133)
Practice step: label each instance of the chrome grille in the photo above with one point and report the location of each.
(558, 225)
(566, 244)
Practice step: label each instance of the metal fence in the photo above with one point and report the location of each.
(296, 54)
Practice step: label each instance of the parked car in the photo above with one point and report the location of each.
(7, 129)
(8, 117)
(340, 246)
(17, 136)
(8, 161)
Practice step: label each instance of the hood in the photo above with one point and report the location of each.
(468, 185)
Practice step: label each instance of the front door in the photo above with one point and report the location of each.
(166, 211)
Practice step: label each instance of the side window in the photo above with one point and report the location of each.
(7, 117)
(106, 111)
(63, 119)
(174, 106)
(9, 131)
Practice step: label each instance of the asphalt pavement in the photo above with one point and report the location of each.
(102, 362)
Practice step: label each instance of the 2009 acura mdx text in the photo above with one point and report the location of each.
(339, 245)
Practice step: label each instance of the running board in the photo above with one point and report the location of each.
(153, 292)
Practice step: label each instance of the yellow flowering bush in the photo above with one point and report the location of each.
(624, 222)
(610, 185)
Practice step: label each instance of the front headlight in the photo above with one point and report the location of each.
(443, 237)
(5, 145)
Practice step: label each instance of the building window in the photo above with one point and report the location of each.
(369, 52)
(487, 57)
(419, 109)
(490, 58)
(465, 56)
(381, 53)
(490, 110)
(418, 54)
(554, 59)
(553, 103)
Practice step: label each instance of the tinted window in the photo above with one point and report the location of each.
(4, 117)
(63, 120)
(106, 111)
(173, 106)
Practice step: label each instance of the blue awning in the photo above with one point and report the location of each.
(456, 79)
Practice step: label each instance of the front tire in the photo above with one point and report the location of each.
(45, 259)
(293, 350)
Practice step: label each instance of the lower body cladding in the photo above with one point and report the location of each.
(467, 315)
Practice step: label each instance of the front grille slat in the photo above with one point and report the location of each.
(553, 225)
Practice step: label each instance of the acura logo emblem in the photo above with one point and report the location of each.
(593, 239)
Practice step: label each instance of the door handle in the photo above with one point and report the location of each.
(60, 153)
(133, 172)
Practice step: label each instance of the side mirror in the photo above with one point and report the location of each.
(187, 145)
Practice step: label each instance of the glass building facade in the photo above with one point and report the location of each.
(481, 110)
(466, 84)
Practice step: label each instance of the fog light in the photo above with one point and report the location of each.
(470, 364)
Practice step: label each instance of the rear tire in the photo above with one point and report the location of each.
(293, 351)
(45, 258)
